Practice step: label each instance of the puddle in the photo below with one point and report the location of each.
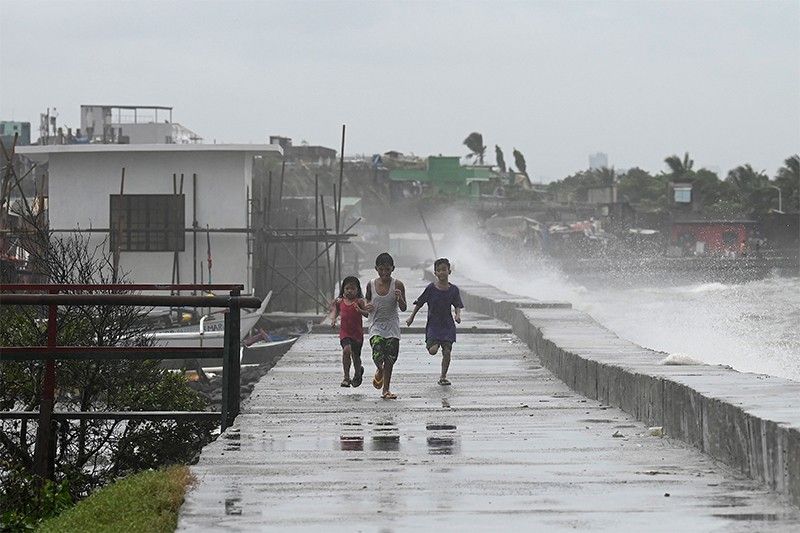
(233, 506)
(749, 517)
(442, 445)
(385, 443)
(435, 427)
(351, 443)
(443, 439)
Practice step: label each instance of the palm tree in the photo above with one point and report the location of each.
(790, 171)
(474, 142)
(519, 160)
(606, 175)
(501, 161)
(679, 167)
(751, 187)
(788, 179)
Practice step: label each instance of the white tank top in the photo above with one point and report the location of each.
(384, 319)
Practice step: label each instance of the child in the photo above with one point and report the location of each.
(384, 296)
(350, 305)
(440, 329)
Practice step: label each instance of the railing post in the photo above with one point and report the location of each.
(41, 454)
(231, 363)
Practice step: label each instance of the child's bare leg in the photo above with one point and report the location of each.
(388, 366)
(346, 355)
(433, 348)
(446, 351)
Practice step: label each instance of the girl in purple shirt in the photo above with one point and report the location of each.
(440, 329)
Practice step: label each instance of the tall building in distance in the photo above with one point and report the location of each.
(9, 127)
(598, 160)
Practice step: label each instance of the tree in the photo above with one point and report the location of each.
(501, 161)
(607, 176)
(519, 160)
(751, 188)
(788, 179)
(678, 167)
(89, 453)
(474, 142)
(642, 189)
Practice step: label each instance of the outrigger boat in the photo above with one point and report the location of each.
(212, 336)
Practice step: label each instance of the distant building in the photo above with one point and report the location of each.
(132, 124)
(8, 128)
(598, 161)
(444, 175)
(304, 153)
(149, 222)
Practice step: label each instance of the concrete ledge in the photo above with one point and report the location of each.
(748, 421)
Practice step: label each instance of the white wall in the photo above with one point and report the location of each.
(81, 183)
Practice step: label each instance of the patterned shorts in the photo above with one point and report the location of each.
(384, 349)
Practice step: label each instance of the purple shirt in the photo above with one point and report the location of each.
(440, 326)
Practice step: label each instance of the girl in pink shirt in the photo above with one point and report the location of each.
(351, 307)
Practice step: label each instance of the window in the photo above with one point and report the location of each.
(683, 194)
(729, 238)
(147, 222)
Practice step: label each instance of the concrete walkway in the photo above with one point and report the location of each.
(507, 445)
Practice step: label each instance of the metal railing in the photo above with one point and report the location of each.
(53, 295)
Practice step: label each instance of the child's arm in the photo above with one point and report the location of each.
(400, 295)
(362, 307)
(334, 312)
(417, 307)
(459, 305)
(368, 298)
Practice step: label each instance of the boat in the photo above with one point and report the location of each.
(209, 333)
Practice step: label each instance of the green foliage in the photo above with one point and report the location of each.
(679, 167)
(501, 160)
(641, 189)
(751, 188)
(32, 503)
(519, 160)
(146, 502)
(788, 180)
(474, 142)
(89, 453)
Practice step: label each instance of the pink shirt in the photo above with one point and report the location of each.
(350, 320)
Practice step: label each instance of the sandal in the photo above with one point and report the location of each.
(444, 381)
(377, 381)
(358, 378)
(388, 396)
(345, 382)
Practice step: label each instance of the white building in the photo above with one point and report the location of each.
(128, 124)
(151, 222)
(598, 161)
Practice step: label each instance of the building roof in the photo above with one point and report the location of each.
(112, 148)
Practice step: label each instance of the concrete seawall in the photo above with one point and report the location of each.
(748, 421)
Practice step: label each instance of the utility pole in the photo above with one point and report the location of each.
(780, 200)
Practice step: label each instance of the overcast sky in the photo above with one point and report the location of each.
(638, 80)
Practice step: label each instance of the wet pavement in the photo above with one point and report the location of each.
(507, 445)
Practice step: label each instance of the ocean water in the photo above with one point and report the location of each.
(752, 326)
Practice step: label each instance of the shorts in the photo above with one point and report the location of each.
(444, 344)
(384, 349)
(355, 346)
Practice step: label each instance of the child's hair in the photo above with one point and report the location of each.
(384, 259)
(441, 261)
(347, 281)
